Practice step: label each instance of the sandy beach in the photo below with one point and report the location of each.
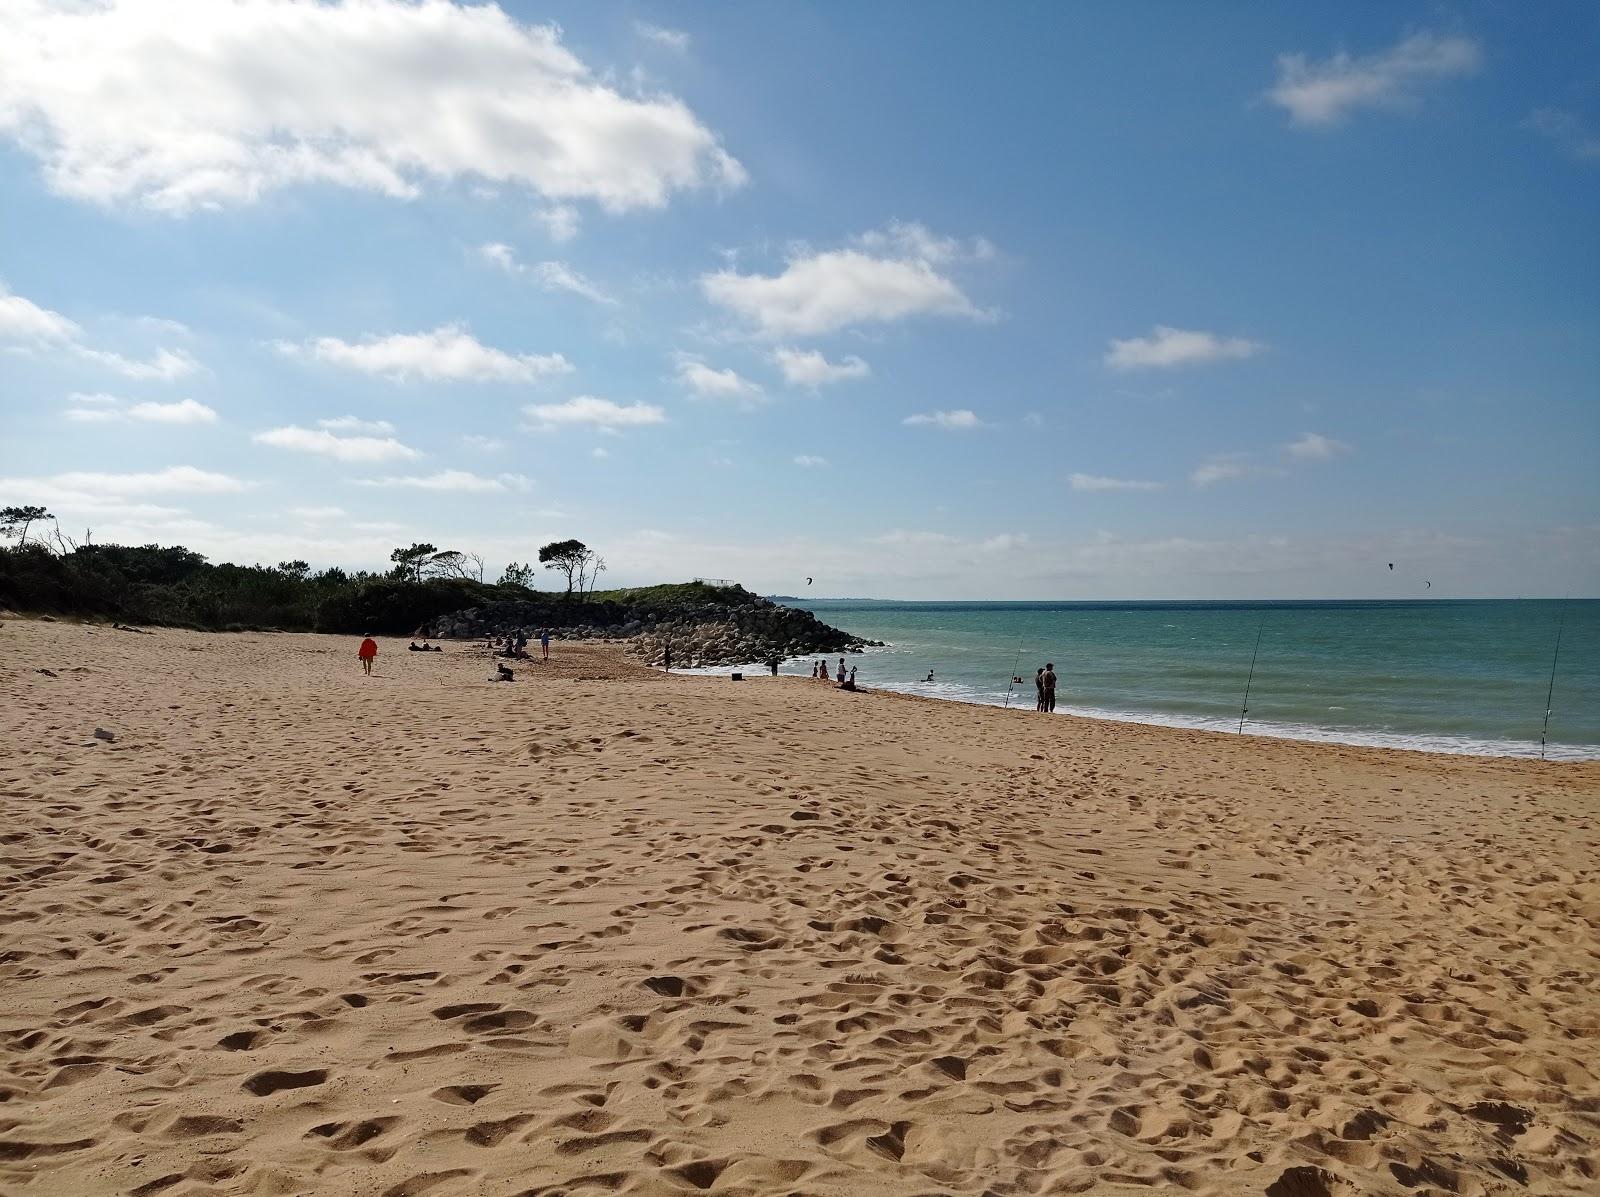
(293, 930)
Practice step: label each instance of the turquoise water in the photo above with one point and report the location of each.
(1444, 676)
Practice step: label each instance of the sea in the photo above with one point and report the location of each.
(1439, 676)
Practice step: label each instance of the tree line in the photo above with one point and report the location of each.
(45, 570)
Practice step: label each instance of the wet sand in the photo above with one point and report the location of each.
(294, 930)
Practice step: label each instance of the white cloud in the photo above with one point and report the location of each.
(314, 515)
(101, 408)
(882, 278)
(600, 452)
(809, 461)
(1313, 446)
(552, 276)
(498, 253)
(1168, 347)
(672, 39)
(445, 480)
(602, 413)
(558, 276)
(447, 354)
(708, 383)
(186, 104)
(357, 425)
(172, 480)
(1219, 469)
(484, 444)
(809, 368)
(341, 448)
(1567, 131)
(184, 411)
(167, 365)
(959, 420)
(560, 222)
(1094, 482)
(1323, 93)
(22, 320)
(1005, 542)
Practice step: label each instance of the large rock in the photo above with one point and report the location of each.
(705, 626)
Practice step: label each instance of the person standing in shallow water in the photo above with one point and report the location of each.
(1048, 679)
(368, 654)
(1038, 686)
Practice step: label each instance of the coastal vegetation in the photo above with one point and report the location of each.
(428, 591)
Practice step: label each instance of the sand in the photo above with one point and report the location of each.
(294, 930)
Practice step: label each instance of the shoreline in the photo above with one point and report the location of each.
(290, 929)
(1434, 745)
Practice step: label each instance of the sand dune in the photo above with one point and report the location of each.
(601, 931)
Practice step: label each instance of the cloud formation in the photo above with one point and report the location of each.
(705, 382)
(601, 413)
(447, 354)
(809, 368)
(1166, 348)
(960, 420)
(552, 276)
(106, 409)
(184, 104)
(1313, 446)
(809, 461)
(1568, 132)
(672, 39)
(324, 443)
(882, 277)
(450, 480)
(172, 480)
(1095, 482)
(25, 322)
(168, 365)
(1219, 469)
(1324, 93)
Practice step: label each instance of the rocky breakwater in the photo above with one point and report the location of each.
(704, 626)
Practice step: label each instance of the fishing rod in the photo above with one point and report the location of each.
(1014, 662)
(1549, 693)
(1250, 677)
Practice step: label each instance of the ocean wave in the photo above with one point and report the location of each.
(1415, 742)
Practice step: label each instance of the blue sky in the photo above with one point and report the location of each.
(920, 300)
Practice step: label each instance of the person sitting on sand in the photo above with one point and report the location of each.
(848, 683)
(506, 674)
(368, 653)
(412, 647)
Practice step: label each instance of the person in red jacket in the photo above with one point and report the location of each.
(368, 654)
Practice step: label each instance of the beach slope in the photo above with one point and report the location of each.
(294, 930)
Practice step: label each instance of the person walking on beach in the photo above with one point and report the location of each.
(544, 642)
(1038, 685)
(1048, 679)
(368, 654)
(666, 657)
